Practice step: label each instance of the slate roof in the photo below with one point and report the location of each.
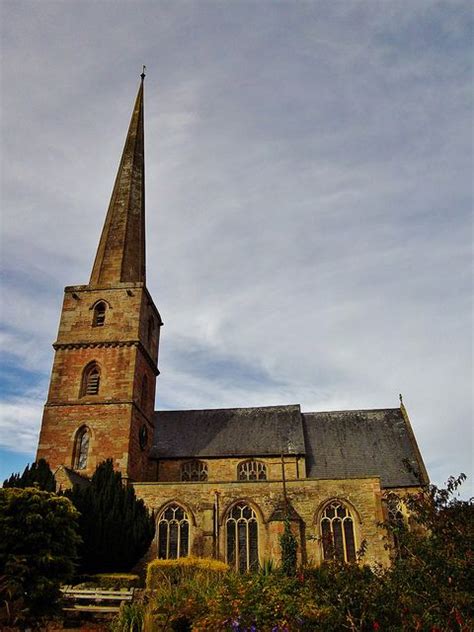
(337, 445)
(358, 443)
(228, 432)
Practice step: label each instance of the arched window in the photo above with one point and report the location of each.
(173, 533)
(194, 471)
(337, 533)
(144, 393)
(242, 538)
(81, 448)
(252, 471)
(98, 319)
(90, 380)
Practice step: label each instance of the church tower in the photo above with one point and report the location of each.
(102, 390)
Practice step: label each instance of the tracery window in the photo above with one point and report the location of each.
(173, 533)
(252, 470)
(194, 471)
(90, 380)
(242, 538)
(98, 319)
(81, 448)
(337, 532)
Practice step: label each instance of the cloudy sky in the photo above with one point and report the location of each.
(309, 201)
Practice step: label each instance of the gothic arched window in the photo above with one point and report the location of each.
(173, 533)
(252, 470)
(242, 538)
(90, 380)
(337, 533)
(194, 471)
(81, 448)
(98, 319)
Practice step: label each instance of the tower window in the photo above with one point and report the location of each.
(98, 319)
(81, 448)
(144, 393)
(337, 532)
(194, 471)
(252, 470)
(90, 380)
(151, 327)
(242, 538)
(173, 533)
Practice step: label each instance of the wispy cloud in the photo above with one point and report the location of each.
(309, 199)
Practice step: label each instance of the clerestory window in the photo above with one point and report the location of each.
(194, 471)
(173, 533)
(252, 470)
(337, 533)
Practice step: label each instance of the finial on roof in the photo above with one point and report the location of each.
(143, 73)
(401, 398)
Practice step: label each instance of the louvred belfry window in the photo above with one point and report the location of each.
(81, 449)
(98, 319)
(337, 533)
(173, 533)
(252, 471)
(242, 538)
(194, 471)
(90, 380)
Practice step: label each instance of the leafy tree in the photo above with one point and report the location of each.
(37, 551)
(36, 475)
(115, 526)
(431, 578)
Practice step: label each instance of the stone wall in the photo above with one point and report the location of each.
(208, 504)
(225, 469)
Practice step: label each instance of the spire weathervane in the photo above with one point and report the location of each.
(143, 73)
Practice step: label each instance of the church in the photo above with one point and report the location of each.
(222, 482)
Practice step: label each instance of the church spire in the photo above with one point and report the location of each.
(120, 256)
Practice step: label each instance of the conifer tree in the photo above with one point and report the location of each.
(115, 526)
(37, 552)
(37, 475)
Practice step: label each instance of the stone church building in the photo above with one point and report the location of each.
(221, 481)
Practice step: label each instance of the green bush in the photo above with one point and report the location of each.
(116, 528)
(37, 550)
(36, 475)
(130, 618)
(289, 548)
(160, 572)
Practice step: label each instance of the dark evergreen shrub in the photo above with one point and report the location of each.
(37, 475)
(38, 546)
(115, 526)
